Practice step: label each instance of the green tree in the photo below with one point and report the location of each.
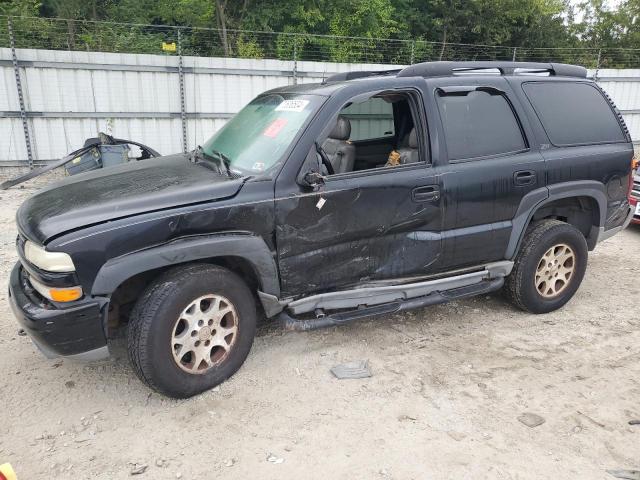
(424, 29)
(613, 33)
(19, 7)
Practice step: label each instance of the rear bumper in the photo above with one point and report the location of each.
(635, 204)
(604, 234)
(634, 198)
(75, 331)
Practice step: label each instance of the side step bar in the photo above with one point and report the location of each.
(434, 298)
(369, 296)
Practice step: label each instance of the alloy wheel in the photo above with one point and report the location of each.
(555, 270)
(204, 334)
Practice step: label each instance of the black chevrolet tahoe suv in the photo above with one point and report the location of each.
(319, 204)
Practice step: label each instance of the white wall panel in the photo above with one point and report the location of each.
(8, 90)
(623, 86)
(110, 89)
(12, 145)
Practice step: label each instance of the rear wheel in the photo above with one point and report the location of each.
(192, 329)
(548, 268)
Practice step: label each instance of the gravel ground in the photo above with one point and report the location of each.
(449, 383)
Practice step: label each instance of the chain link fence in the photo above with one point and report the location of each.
(98, 36)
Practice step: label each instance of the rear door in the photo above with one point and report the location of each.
(489, 160)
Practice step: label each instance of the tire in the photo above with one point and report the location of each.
(529, 286)
(161, 342)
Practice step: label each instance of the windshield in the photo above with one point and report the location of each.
(254, 140)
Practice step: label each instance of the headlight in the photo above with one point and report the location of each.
(48, 261)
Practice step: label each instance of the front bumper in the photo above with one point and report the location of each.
(71, 331)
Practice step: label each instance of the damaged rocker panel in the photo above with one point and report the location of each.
(379, 295)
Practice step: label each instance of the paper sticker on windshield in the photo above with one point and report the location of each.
(292, 106)
(274, 128)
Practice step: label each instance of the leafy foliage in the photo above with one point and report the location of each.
(421, 29)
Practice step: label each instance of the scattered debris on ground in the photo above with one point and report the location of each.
(271, 458)
(625, 474)
(595, 422)
(531, 420)
(353, 370)
(138, 468)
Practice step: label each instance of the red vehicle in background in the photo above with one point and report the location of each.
(634, 196)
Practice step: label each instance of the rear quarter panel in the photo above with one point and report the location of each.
(606, 163)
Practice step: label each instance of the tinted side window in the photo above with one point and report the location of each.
(573, 113)
(479, 124)
(370, 119)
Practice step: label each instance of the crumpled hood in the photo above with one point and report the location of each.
(121, 191)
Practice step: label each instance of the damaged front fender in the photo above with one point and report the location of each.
(249, 247)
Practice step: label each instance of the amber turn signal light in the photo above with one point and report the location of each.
(65, 294)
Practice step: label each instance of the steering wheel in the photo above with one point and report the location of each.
(325, 161)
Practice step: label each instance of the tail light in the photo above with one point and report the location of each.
(634, 165)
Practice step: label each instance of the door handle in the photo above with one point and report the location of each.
(428, 193)
(523, 178)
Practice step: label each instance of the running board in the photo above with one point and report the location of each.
(483, 287)
(370, 296)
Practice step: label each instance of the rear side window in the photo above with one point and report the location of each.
(574, 113)
(479, 124)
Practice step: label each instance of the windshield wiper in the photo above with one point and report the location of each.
(225, 161)
(219, 158)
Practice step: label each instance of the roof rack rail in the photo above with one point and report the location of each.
(445, 69)
(343, 76)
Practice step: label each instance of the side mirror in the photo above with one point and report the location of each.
(310, 175)
(313, 179)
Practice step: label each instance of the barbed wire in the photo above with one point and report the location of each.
(107, 36)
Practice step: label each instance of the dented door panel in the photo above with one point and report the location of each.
(357, 228)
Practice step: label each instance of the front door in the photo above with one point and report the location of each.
(361, 226)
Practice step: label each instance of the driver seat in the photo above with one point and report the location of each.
(340, 152)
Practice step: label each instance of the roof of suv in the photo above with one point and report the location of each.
(440, 69)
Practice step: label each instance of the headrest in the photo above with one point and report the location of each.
(413, 139)
(342, 130)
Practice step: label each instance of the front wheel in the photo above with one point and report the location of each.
(192, 329)
(548, 268)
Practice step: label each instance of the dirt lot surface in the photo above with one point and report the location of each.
(448, 385)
